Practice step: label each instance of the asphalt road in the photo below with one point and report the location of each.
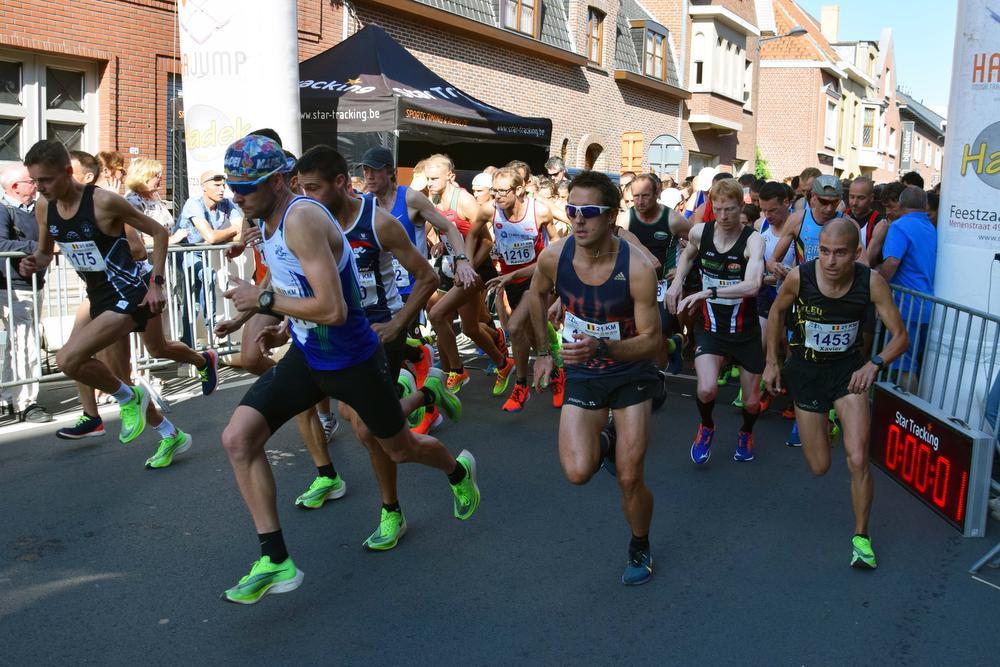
(105, 562)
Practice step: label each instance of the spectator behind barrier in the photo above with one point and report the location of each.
(142, 182)
(19, 233)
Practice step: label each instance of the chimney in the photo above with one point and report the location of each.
(829, 21)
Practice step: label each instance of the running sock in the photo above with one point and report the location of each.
(457, 475)
(124, 393)
(705, 410)
(272, 545)
(166, 429)
(523, 382)
(748, 421)
(460, 369)
(327, 471)
(638, 544)
(391, 507)
(428, 396)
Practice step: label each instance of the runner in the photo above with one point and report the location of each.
(466, 300)
(890, 203)
(89, 225)
(827, 369)
(861, 197)
(611, 335)
(335, 353)
(376, 239)
(731, 257)
(517, 224)
(659, 230)
(414, 211)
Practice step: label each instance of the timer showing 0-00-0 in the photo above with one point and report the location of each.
(927, 472)
(923, 452)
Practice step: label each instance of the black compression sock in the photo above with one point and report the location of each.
(412, 354)
(705, 410)
(638, 544)
(458, 474)
(457, 370)
(327, 471)
(272, 545)
(748, 421)
(523, 382)
(428, 396)
(391, 507)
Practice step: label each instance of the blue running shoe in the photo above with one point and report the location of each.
(744, 447)
(639, 568)
(676, 363)
(701, 450)
(793, 438)
(209, 375)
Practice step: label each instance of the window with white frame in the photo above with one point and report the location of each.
(892, 141)
(868, 128)
(928, 155)
(937, 158)
(830, 134)
(43, 97)
(917, 149)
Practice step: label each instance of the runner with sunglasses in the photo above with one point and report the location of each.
(516, 223)
(611, 334)
(731, 258)
(335, 353)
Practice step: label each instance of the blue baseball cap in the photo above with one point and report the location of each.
(256, 156)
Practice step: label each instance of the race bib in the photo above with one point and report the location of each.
(830, 337)
(369, 288)
(573, 325)
(448, 266)
(402, 276)
(295, 292)
(661, 290)
(519, 252)
(708, 282)
(83, 255)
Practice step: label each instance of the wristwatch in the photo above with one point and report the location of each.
(265, 302)
(602, 348)
(715, 292)
(878, 361)
(159, 281)
(459, 258)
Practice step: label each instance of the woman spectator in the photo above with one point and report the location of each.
(142, 182)
(112, 170)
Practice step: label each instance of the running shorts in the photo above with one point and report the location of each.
(745, 349)
(614, 391)
(815, 386)
(290, 387)
(110, 301)
(515, 292)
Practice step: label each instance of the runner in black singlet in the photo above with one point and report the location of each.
(827, 368)
(89, 225)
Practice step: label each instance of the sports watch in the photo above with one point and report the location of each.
(265, 302)
(878, 361)
(602, 348)
(159, 281)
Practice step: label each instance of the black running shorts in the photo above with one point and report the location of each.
(111, 301)
(745, 349)
(816, 386)
(515, 292)
(615, 391)
(291, 387)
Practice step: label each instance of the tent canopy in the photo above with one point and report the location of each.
(371, 83)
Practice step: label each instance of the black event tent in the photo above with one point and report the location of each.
(370, 90)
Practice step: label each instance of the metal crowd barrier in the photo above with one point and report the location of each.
(956, 350)
(195, 279)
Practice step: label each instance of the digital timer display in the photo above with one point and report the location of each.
(930, 458)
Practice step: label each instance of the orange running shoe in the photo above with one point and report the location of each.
(432, 419)
(422, 367)
(501, 341)
(788, 413)
(503, 377)
(558, 385)
(518, 398)
(457, 380)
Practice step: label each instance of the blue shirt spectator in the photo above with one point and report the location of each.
(910, 249)
(211, 218)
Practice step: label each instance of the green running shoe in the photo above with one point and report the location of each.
(391, 527)
(322, 489)
(170, 447)
(133, 415)
(555, 345)
(863, 557)
(466, 492)
(408, 383)
(834, 426)
(738, 401)
(723, 377)
(734, 372)
(446, 401)
(265, 577)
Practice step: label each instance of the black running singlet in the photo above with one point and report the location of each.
(104, 262)
(724, 315)
(601, 311)
(657, 238)
(826, 329)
